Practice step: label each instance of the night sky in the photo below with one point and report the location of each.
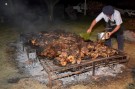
(125, 4)
(119, 3)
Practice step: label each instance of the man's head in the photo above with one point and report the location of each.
(108, 10)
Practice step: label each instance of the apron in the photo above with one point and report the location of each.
(118, 35)
(111, 25)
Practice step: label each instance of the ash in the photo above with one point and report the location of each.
(87, 76)
(31, 67)
(34, 69)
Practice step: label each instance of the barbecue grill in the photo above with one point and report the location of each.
(56, 72)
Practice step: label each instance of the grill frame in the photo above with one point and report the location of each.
(54, 71)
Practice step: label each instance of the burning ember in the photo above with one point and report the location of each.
(69, 48)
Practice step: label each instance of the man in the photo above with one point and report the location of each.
(113, 21)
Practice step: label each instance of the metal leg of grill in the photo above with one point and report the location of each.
(93, 69)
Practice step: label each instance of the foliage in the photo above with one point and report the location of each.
(85, 36)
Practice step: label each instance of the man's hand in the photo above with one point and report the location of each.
(89, 31)
(108, 34)
(91, 26)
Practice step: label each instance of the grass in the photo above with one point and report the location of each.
(7, 35)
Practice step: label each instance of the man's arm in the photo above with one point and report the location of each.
(91, 26)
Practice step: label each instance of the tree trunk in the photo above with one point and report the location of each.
(50, 8)
(51, 4)
(85, 7)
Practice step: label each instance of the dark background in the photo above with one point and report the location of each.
(125, 4)
(31, 13)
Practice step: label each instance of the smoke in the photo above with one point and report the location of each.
(28, 17)
(23, 15)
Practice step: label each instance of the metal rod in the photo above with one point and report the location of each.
(93, 69)
(72, 73)
(49, 74)
(87, 62)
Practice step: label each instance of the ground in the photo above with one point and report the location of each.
(9, 70)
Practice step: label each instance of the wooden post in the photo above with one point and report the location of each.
(85, 8)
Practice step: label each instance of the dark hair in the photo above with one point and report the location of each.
(108, 10)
